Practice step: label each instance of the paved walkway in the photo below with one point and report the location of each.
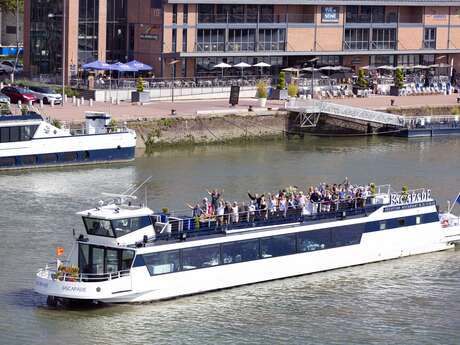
(128, 111)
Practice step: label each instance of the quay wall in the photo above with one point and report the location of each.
(203, 129)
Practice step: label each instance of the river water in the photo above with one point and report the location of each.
(414, 300)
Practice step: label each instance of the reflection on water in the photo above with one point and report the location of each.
(408, 301)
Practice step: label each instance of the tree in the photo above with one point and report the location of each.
(10, 6)
(399, 78)
(361, 82)
(281, 81)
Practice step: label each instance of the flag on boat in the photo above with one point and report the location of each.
(458, 199)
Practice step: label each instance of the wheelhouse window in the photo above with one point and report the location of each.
(124, 226)
(100, 260)
(98, 227)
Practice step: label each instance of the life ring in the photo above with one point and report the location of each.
(445, 222)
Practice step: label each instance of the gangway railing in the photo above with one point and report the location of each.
(346, 111)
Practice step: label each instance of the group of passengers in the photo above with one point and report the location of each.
(322, 198)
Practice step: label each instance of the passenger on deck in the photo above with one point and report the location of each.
(263, 208)
(220, 213)
(227, 212)
(256, 198)
(197, 211)
(234, 214)
(272, 203)
(207, 207)
(252, 211)
(215, 197)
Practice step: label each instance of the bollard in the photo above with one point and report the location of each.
(78, 103)
(2, 85)
(19, 104)
(29, 103)
(52, 103)
(118, 101)
(173, 111)
(74, 99)
(41, 103)
(91, 102)
(82, 101)
(65, 98)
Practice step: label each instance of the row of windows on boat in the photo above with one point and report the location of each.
(17, 133)
(46, 158)
(267, 247)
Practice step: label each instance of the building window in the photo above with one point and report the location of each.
(185, 12)
(88, 30)
(379, 60)
(429, 40)
(356, 39)
(117, 30)
(383, 39)
(210, 40)
(329, 60)
(174, 13)
(184, 40)
(271, 39)
(408, 60)
(10, 29)
(174, 41)
(241, 39)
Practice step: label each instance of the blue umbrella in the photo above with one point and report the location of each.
(139, 65)
(97, 65)
(122, 67)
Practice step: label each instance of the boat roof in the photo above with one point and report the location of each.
(29, 116)
(114, 211)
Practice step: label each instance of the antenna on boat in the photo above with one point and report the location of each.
(140, 186)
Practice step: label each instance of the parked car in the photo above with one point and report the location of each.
(7, 66)
(16, 93)
(46, 94)
(4, 98)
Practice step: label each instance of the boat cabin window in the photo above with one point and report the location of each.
(200, 257)
(162, 262)
(125, 226)
(240, 251)
(98, 227)
(99, 260)
(17, 133)
(278, 245)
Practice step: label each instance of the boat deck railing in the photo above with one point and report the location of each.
(83, 277)
(436, 121)
(181, 227)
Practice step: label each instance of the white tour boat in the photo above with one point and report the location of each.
(28, 141)
(129, 253)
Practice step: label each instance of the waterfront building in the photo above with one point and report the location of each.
(202, 33)
(8, 38)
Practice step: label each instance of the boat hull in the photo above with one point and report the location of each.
(70, 150)
(141, 287)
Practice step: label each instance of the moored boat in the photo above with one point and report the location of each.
(28, 141)
(129, 253)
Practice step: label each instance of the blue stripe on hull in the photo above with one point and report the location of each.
(68, 158)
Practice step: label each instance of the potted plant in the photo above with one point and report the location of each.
(280, 93)
(292, 93)
(262, 93)
(140, 95)
(398, 82)
(361, 82)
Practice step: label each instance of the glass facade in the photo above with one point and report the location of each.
(88, 19)
(45, 36)
(117, 30)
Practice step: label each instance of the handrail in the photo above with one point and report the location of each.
(84, 277)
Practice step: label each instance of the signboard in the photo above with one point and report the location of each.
(234, 95)
(149, 32)
(402, 198)
(329, 14)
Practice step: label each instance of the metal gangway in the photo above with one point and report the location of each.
(310, 110)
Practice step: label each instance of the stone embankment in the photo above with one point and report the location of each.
(203, 129)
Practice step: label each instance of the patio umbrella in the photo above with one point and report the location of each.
(291, 69)
(330, 68)
(310, 69)
(386, 67)
(369, 68)
(420, 67)
(262, 65)
(242, 65)
(439, 65)
(122, 67)
(222, 65)
(139, 66)
(97, 65)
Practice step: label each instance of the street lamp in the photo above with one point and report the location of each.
(312, 63)
(52, 15)
(173, 66)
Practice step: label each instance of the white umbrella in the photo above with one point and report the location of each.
(420, 67)
(222, 65)
(370, 68)
(310, 69)
(242, 65)
(262, 65)
(330, 68)
(290, 69)
(440, 65)
(386, 67)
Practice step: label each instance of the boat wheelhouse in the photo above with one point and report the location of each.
(131, 254)
(29, 140)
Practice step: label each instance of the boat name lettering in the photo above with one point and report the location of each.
(408, 198)
(408, 206)
(73, 288)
